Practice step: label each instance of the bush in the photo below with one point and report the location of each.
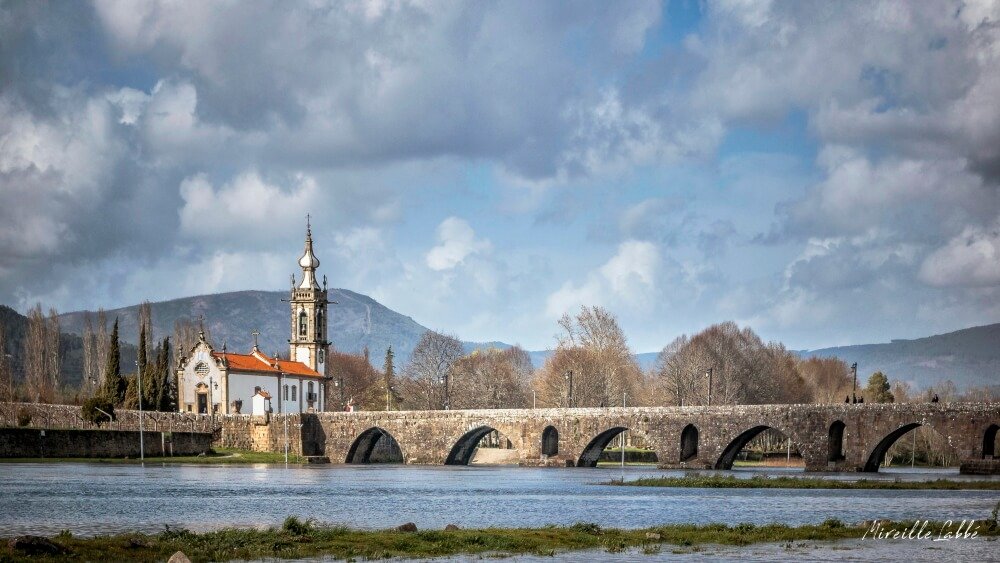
(90, 411)
(23, 418)
(293, 525)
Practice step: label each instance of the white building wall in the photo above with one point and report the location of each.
(190, 379)
(243, 386)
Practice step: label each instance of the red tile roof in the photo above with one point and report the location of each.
(259, 362)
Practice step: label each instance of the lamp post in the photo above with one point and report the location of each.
(569, 378)
(142, 447)
(339, 384)
(709, 374)
(447, 398)
(854, 392)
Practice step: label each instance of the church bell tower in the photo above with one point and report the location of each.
(308, 343)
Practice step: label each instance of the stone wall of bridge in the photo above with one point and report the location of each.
(436, 437)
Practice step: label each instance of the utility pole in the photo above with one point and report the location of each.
(142, 448)
(569, 378)
(623, 442)
(854, 392)
(447, 398)
(709, 374)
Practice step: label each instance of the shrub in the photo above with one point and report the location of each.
(90, 411)
(23, 418)
(293, 525)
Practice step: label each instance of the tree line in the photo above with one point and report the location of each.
(593, 366)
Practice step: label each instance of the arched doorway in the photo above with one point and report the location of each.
(989, 442)
(375, 445)
(770, 438)
(835, 442)
(689, 443)
(550, 441)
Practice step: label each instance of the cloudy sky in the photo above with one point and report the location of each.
(826, 173)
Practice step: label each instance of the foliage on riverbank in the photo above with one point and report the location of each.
(763, 482)
(297, 539)
(218, 456)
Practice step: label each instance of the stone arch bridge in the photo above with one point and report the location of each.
(829, 437)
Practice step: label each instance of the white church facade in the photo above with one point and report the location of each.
(220, 382)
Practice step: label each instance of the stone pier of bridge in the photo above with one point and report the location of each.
(828, 437)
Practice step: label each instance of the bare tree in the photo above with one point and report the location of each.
(353, 381)
(6, 370)
(744, 369)
(490, 379)
(593, 347)
(829, 379)
(423, 381)
(36, 380)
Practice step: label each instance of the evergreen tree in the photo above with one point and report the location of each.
(390, 374)
(164, 400)
(115, 385)
(151, 382)
(877, 390)
(131, 400)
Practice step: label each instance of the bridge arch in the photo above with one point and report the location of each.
(877, 454)
(728, 457)
(550, 441)
(591, 453)
(363, 446)
(464, 448)
(835, 442)
(689, 442)
(989, 442)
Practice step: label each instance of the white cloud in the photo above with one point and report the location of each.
(246, 211)
(627, 279)
(971, 259)
(457, 241)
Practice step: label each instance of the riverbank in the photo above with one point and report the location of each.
(297, 539)
(224, 456)
(763, 482)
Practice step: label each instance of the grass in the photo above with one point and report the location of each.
(298, 539)
(218, 456)
(763, 482)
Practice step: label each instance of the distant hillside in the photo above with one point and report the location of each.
(356, 321)
(969, 357)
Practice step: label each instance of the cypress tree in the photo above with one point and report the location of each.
(131, 400)
(114, 384)
(163, 399)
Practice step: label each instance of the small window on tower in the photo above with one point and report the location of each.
(319, 324)
(303, 323)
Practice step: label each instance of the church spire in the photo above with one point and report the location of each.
(309, 262)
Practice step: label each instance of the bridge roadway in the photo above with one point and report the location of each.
(829, 437)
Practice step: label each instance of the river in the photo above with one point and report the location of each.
(92, 498)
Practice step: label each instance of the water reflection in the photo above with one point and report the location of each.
(95, 498)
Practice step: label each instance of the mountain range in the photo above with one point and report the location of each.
(969, 357)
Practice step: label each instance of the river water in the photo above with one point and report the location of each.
(89, 499)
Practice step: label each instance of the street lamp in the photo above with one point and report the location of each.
(339, 384)
(854, 392)
(142, 447)
(447, 399)
(569, 378)
(709, 374)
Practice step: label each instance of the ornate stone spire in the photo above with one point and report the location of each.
(308, 262)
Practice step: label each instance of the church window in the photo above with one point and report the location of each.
(286, 392)
(201, 369)
(293, 393)
(319, 324)
(303, 319)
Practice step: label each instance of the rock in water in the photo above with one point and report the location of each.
(408, 527)
(179, 557)
(35, 545)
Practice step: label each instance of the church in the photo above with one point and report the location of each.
(210, 381)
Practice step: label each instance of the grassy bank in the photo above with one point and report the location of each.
(296, 539)
(219, 456)
(763, 482)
